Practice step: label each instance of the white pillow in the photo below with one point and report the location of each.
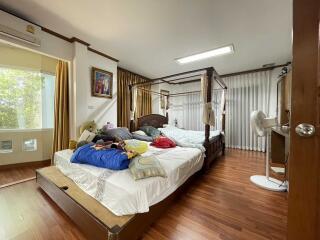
(87, 136)
(139, 132)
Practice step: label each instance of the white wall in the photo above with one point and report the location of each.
(25, 59)
(43, 151)
(101, 110)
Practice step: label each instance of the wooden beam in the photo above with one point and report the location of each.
(157, 93)
(53, 33)
(207, 126)
(182, 73)
(102, 54)
(190, 92)
(75, 39)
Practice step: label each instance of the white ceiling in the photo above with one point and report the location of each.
(147, 35)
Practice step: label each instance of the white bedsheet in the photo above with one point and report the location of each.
(187, 138)
(119, 192)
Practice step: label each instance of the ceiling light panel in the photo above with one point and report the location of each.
(208, 54)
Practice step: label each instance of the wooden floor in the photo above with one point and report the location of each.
(221, 205)
(17, 174)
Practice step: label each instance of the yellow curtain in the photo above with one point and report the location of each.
(144, 99)
(61, 108)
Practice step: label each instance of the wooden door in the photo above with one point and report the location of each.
(304, 162)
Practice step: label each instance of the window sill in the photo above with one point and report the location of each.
(26, 130)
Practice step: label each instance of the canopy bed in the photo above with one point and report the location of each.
(213, 142)
(107, 204)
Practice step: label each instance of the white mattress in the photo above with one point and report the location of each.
(119, 192)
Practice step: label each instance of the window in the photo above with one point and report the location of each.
(26, 99)
(29, 145)
(6, 146)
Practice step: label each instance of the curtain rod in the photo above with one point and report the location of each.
(254, 70)
(239, 73)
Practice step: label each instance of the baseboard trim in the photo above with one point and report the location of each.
(17, 182)
(25, 164)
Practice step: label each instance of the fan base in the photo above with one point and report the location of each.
(271, 184)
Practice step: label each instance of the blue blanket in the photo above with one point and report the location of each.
(114, 159)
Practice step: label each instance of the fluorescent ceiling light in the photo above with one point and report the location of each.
(212, 53)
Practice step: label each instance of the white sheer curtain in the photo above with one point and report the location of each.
(246, 93)
(188, 111)
(192, 112)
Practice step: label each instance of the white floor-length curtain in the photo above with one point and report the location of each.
(192, 112)
(187, 110)
(246, 93)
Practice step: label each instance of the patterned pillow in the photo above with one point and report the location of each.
(145, 167)
(150, 131)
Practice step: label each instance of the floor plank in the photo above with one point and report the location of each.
(16, 174)
(220, 205)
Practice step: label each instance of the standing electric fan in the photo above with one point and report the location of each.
(261, 125)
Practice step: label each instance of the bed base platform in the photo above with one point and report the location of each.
(92, 218)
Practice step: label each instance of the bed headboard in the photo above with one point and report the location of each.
(154, 120)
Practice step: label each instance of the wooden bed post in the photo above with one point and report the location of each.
(224, 125)
(167, 108)
(209, 90)
(131, 108)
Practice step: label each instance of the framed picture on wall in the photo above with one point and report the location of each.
(163, 98)
(101, 83)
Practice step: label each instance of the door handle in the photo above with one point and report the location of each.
(305, 130)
